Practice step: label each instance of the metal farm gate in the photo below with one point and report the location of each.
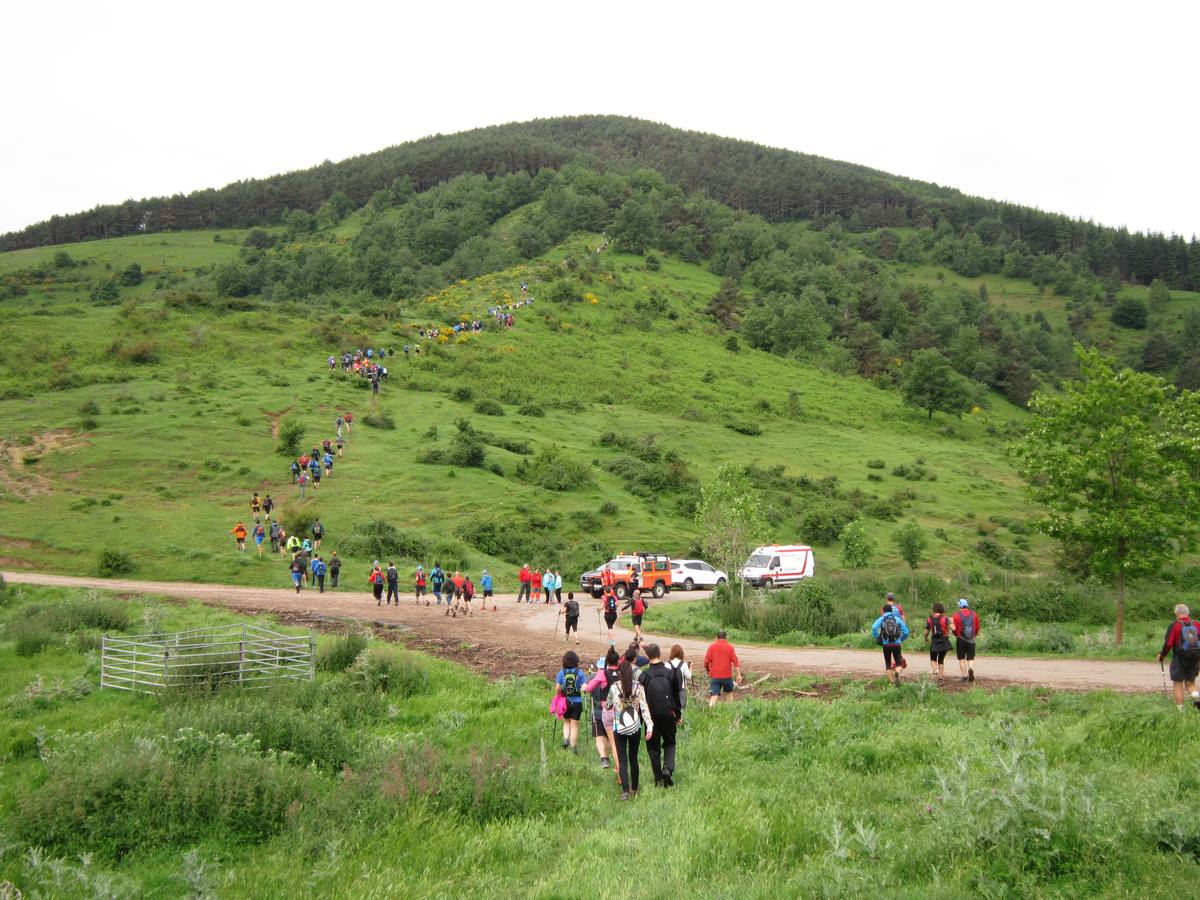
(205, 658)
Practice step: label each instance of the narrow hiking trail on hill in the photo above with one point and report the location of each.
(536, 630)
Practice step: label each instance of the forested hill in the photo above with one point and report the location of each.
(776, 184)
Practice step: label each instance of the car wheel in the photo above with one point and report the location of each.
(767, 584)
(688, 584)
(659, 590)
(720, 581)
(620, 590)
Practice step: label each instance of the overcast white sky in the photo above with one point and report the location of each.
(1069, 107)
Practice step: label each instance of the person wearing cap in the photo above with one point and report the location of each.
(890, 631)
(966, 630)
(723, 668)
(1182, 641)
(419, 583)
(890, 600)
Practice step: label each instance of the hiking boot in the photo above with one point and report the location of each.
(624, 795)
(970, 674)
(604, 764)
(668, 778)
(447, 612)
(964, 678)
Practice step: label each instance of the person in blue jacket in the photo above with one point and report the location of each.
(890, 631)
(485, 585)
(318, 570)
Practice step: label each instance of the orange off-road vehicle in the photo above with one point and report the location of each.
(652, 571)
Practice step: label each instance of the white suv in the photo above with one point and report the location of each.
(689, 574)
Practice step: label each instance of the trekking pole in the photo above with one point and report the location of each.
(1163, 669)
(556, 618)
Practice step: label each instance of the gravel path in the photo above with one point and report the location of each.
(537, 630)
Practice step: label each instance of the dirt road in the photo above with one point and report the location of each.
(522, 637)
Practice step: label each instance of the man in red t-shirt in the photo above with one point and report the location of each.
(524, 577)
(723, 668)
(966, 630)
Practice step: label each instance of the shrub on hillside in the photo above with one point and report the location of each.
(822, 523)
(340, 653)
(748, 428)
(1130, 312)
(291, 433)
(390, 671)
(381, 540)
(462, 394)
(89, 408)
(31, 636)
(114, 562)
(489, 408)
(564, 291)
(532, 410)
(223, 790)
(381, 420)
(140, 353)
(554, 471)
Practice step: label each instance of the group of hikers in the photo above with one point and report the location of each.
(458, 587)
(637, 696)
(891, 630)
(533, 583)
(308, 468)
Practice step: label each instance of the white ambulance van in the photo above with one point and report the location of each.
(773, 566)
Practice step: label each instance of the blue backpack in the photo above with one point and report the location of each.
(1189, 641)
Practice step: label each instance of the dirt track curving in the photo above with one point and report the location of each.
(521, 638)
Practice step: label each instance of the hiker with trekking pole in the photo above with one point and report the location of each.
(571, 610)
(1183, 642)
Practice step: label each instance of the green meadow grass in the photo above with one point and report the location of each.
(451, 784)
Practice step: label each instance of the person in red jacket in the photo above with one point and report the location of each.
(524, 577)
(723, 668)
(535, 581)
(1183, 643)
(966, 630)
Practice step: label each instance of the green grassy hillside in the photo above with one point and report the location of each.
(183, 431)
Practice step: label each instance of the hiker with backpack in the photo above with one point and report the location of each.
(571, 610)
(318, 571)
(296, 567)
(468, 595)
(663, 686)
(302, 480)
(295, 469)
(890, 631)
(609, 605)
(1183, 642)
(393, 583)
(239, 535)
(348, 419)
(318, 532)
(259, 533)
(335, 568)
(419, 583)
(637, 606)
(965, 625)
(570, 680)
(375, 579)
(436, 579)
(602, 722)
(723, 668)
(680, 665)
(275, 540)
(627, 700)
(937, 634)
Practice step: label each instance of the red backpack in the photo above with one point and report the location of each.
(639, 607)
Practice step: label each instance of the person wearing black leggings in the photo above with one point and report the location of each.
(627, 700)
